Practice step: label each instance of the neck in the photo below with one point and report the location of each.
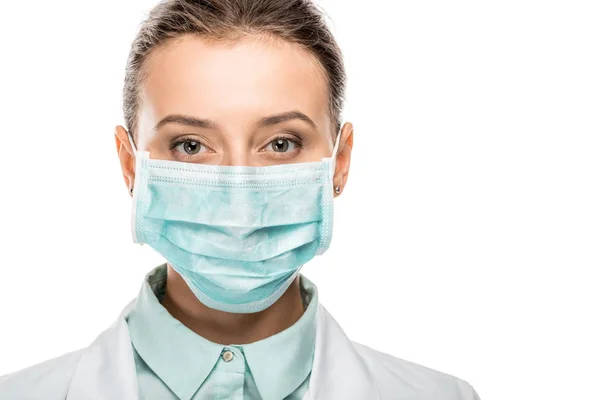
(229, 328)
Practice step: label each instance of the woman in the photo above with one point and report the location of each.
(233, 151)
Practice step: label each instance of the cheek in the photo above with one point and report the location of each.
(319, 148)
(157, 147)
(159, 152)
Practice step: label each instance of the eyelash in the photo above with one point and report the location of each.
(296, 140)
(291, 137)
(184, 139)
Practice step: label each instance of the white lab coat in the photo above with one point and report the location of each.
(342, 370)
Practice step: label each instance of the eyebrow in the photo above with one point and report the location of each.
(208, 124)
(286, 116)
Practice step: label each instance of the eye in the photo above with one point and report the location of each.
(282, 145)
(190, 147)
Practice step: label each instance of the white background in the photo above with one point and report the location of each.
(467, 239)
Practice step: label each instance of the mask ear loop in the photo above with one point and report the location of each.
(130, 137)
(138, 180)
(327, 200)
(336, 146)
(133, 147)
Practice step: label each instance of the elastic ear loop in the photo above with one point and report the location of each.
(327, 202)
(336, 146)
(133, 147)
(131, 141)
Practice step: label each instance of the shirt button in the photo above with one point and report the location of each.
(227, 356)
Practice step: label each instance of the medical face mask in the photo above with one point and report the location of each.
(237, 235)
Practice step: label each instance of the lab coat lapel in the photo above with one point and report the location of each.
(338, 373)
(106, 370)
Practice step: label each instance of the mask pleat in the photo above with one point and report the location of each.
(240, 208)
(261, 244)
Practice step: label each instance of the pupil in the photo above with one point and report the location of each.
(191, 147)
(280, 145)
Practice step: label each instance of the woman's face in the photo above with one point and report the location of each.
(249, 102)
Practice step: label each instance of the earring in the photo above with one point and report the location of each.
(131, 191)
(337, 189)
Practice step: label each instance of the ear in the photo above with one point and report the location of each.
(342, 162)
(126, 156)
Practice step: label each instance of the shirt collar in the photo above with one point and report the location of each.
(287, 357)
(183, 359)
(178, 356)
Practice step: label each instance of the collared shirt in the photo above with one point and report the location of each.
(173, 362)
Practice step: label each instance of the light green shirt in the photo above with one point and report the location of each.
(173, 362)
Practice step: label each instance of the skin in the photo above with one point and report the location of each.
(235, 85)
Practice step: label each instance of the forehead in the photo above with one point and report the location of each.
(235, 81)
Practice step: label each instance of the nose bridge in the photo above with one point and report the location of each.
(235, 153)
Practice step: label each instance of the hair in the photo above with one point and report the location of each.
(295, 21)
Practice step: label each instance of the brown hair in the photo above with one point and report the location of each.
(296, 21)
